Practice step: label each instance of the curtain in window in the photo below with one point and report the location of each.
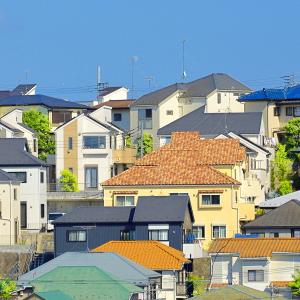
(81, 236)
(72, 236)
(163, 235)
(91, 177)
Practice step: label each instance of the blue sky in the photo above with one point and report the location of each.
(59, 43)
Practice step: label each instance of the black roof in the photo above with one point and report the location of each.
(19, 100)
(13, 153)
(5, 177)
(148, 209)
(198, 88)
(109, 90)
(285, 216)
(213, 124)
(162, 209)
(22, 89)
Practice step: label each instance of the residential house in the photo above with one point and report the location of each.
(92, 148)
(9, 209)
(120, 110)
(16, 160)
(47, 284)
(282, 221)
(218, 92)
(57, 110)
(209, 171)
(278, 201)
(168, 219)
(167, 261)
(248, 128)
(258, 263)
(11, 126)
(21, 89)
(278, 107)
(118, 266)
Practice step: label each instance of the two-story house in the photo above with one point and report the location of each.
(210, 171)
(278, 107)
(18, 162)
(218, 92)
(9, 209)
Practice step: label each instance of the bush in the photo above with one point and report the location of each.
(68, 181)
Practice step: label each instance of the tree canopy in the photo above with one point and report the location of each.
(40, 123)
(147, 144)
(295, 284)
(292, 134)
(7, 286)
(68, 181)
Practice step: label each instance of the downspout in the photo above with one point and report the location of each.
(10, 188)
(236, 208)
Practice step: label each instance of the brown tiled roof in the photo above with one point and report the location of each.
(280, 283)
(150, 254)
(116, 103)
(255, 247)
(187, 160)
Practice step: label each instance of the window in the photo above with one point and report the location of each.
(42, 211)
(91, 177)
(297, 111)
(210, 200)
(94, 142)
(126, 235)
(219, 98)
(179, 194)
(76, 236)
(70, 143)
(19, 176)
(274, 234)
(61, 116)
(117, 117)
(199, 232)
(158, 234)
(145, 118)
(71, 170)
(236, 197)
(276, 111)
(125, 201)
(236, 94)
(259, 234)
(219, 231)
(15, 194)
(34, 145)
(296, 233)
(42, 175)
(289, 111)
(255, 275)
(169, 112)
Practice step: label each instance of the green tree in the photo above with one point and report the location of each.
(282, 171)
(295, 284)
(68, 181)
(147, 144)
(197, 283)
(292, 134)
(128, 141)
(7, 286)
(40, 123)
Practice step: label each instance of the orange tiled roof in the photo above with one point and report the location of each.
(150, 254)
(187, 160)
(255, 247)
(115, 103)
(281, 283)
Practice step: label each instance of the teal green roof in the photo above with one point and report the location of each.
(83, 283)
(53, 295)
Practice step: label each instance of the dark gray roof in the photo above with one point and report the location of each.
(278, 201)
(98, 214)
(285, 216)
(26, 127)
(213, 124)
(5, 177)
(162, 209)
(109, 90)
(13, 153)
(113, 263)
(10, 127)
(22, 89)
(198, 88)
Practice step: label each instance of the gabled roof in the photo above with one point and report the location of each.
(285, 216)
(13, 153)
(285, 94)
(278, 201)
(255, 247)
(150, 254)
(116, 104)
(26, 127)
(108, 90)
(47, 101)
(6, 177)
(187, 160)
(52, 295)
(162, 209)
(9, 126)
(78, 282)
(198, 88)
(113, 263)
(213, 124)
(23, 89)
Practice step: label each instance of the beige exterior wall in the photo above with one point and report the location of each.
(10, 213)
(229, 213)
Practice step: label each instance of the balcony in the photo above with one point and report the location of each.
(124, 156)
(192, 249)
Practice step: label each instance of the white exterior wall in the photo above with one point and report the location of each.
(103, 114)
(10, 213)
(120, 94)
(168, 285)
(34, 193)
(283, 232)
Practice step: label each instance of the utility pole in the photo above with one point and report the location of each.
(98, 82)
(142, 138)
(134, 59)
(183, 61)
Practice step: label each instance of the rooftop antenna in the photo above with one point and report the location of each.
(288, 80)
(100, 85)
(183, 61)
(149, 79)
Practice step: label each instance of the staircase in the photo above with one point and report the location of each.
(40, 258)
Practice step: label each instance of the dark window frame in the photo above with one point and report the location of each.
(101, 140)
(70, 143)
(255, 275)
(42, 177)
(203, 231)
(289, 111)
(276, 111)
(16, 176)
(117, 117)
(77, 233)
(42, 210)
(97, 177)
(151, 231)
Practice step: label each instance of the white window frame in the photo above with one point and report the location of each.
(200, 200)
(125, 200)
(255, 275)
(79, 236)
(219, 236)
(202, 231)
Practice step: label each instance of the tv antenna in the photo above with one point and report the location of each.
(134, 59)
(149, 79)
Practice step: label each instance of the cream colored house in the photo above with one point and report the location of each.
(11, 126)
(9, 209)
(92, 148)
(211, 172)
(217, 92)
